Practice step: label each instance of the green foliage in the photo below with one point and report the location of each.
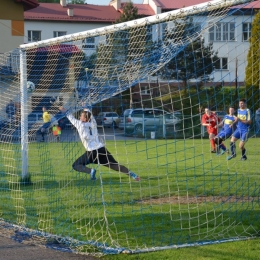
(130, 12)
(252, 80)
(49, 1)
(58, 1)
(195, 61)
(241, 250)
(192, 100)
(253, 57)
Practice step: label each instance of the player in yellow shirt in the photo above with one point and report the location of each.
(47, 122)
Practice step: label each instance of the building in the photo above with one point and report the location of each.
(50, 20)
(12, 22)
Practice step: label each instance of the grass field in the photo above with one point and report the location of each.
(242, 250)
(186, 194)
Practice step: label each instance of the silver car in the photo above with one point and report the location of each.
(108, 119)
(148, 119)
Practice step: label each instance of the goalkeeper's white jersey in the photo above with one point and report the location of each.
(88, 133)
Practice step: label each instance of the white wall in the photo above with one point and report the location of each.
(47, 28)
(7, 41)
(236, 51)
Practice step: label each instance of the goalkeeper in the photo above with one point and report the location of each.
(95, 150)
(229, 125)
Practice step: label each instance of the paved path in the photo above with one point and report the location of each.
(12, 250)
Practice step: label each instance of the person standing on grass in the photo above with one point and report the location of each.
(47, 122)
(210, 120)
(229, 124)
(10, 110)
(257, 120)
(243, 123)
(96, 152)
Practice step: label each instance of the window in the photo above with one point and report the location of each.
(149, 33)
(145, 90)
(58, 34)
(137, 113)
(246, 31)
(222, 32)
(148, 113)
(164, 30)
(221, 64)
(34, 36)
(88, 43)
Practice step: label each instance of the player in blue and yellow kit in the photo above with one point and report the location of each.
(229, 125)
(244, 120)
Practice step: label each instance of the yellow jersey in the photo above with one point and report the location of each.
(46, 117)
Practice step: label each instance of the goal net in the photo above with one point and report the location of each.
(147, 83)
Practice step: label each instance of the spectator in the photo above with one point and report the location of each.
(10, 110)
(47, 122)
(257, 120)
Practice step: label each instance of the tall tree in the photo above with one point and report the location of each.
(123, 45)
(193, 61)
(252, 79)
(130, 12)
(58, 1)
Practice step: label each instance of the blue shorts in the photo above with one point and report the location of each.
(224, 134)
(240, 134)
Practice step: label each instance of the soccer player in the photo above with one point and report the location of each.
(47, 122)
(210, 120)
(243, 122)
(229, 124)
(96, 152)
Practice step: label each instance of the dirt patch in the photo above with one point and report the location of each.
(198, 200)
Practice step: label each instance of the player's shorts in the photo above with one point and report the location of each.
(224, 134)
(101, 156)
(212, 131)
(242, 135)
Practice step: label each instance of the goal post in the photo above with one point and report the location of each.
(147, 83)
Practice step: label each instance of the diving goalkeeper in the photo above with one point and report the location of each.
(96, 152)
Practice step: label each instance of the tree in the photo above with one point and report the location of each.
(122, 40)
(58, 1)
(130, 12)
(193, 61)
(252, 79)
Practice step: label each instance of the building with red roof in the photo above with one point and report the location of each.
(50, 20)
(12, 22)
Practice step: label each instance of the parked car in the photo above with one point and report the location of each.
(109, 119)
(150, 119)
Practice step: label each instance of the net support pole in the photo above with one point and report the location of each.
(24, 113)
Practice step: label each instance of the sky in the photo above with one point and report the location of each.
(106, 2)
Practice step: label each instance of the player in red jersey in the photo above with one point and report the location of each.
(211, 120)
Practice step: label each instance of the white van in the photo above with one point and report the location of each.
(146, 119)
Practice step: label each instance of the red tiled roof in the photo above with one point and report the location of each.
(59, 48)
(143, 9)
(174, 4)
(82, 13)
(255, 4)
(28, 4)
(171, 4)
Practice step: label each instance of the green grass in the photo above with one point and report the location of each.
(242, 250)
(183, 197)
